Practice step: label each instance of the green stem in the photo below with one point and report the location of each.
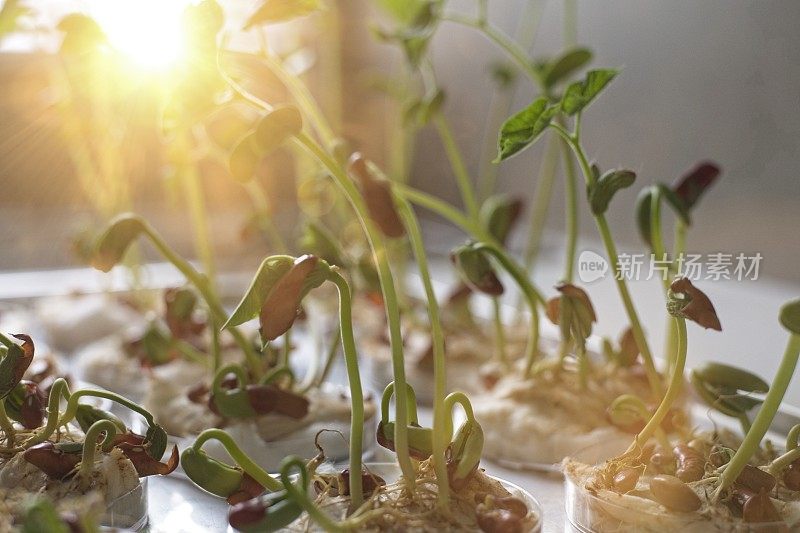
(287, 348)
(109, 429)
(6, 424)
(544, 193)
(453, 399)
(440, 437)
(572, 213)
(389, 297)
(518, 55)
(72, 405)
(300, 494)
(58, 389)
(356, 393)
(203, 286)
(241, 458)
(199, 214)
(459, 167)
(613, 257)
(763, 420)
(499, 333)
(672, 390)
(777, 466)
(532, 295)
(440, 207)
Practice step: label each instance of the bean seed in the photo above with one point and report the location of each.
(674, 494)
(756, 479)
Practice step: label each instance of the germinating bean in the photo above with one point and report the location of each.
(674, 494)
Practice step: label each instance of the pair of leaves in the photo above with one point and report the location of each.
(628, 351)
(273, 11)
(687, 301)
(272, 130)
(523, 128)
(681, 197)
(476, 270)
(15, 362)
(276, 292)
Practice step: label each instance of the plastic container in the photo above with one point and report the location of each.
(588, 513)
(128, 511)
(391, 473)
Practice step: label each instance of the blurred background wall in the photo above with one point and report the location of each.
(713, 80)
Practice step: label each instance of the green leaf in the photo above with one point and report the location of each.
(581, 93)
(566, 65)
(790, 316)
(276, 127)
(726, 376)
(272, 269)
(272, 11)
(115, 240)
(523, 128)
(607, 186)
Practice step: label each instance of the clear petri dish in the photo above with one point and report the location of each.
(128, 511)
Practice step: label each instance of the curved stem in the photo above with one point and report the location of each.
(440, 437)
(463, 179)
(453, 399)
(389, 297)
(772, 402)
(672, 390)
(72, 405)
(532, 295)
(241, 458)
(300, 494)
(203, 286)
(356, 393)
(109, 429)
(6, 424)
(434, 204)
(59, 389)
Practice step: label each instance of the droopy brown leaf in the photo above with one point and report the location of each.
(280, 309)
(378, 197)
(694, 304)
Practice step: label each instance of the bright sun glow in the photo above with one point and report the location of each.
(148, 32)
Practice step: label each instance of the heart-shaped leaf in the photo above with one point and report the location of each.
(566, 65)
(115, 240)
(272, 11)
(607, 186)
(523, 128)
(581, 93)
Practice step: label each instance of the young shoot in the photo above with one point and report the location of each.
(790, 319)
